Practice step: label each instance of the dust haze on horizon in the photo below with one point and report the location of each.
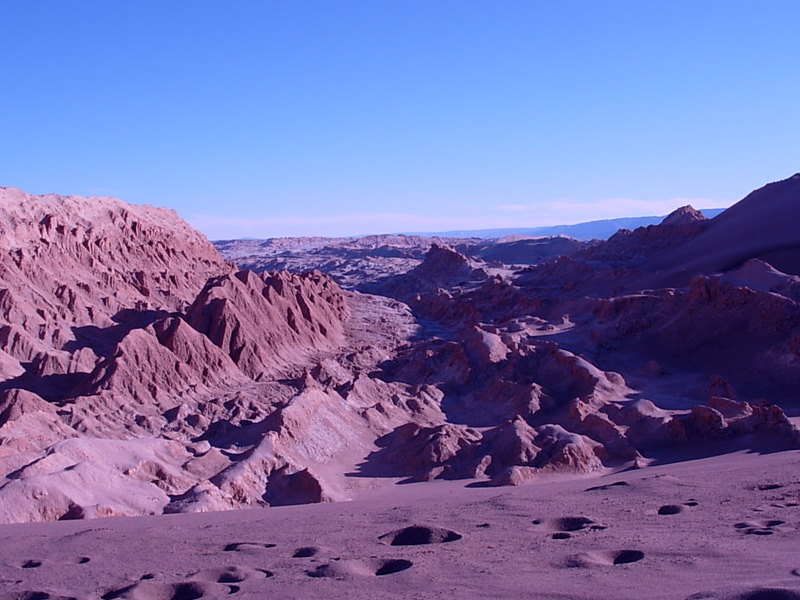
(510, 217)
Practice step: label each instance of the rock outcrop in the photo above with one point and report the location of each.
(759, 226)
(267, 323)
(121, 328)
(635, 248)
(141, 374)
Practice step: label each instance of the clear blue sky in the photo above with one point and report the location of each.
(347, 117)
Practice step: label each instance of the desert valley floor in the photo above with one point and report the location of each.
(722, 527)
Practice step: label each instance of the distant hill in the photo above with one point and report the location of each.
(763, 226)
(591, 230)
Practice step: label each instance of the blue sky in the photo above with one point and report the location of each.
(348, 117)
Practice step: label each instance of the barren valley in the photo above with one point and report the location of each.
(398, 416)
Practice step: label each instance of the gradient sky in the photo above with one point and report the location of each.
(343, 117)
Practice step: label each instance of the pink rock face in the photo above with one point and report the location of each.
(141, 374)
(267, 323)
(94, 344)
(84, 252)
(76, 270)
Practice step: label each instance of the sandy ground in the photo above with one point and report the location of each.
(732, 531)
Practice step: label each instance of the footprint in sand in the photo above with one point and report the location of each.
(789, 500)
(232, 574)
(589, 560)
(769, 594)
(790, 504)
(606, 487)
(674, 509)
(754, 594)
(39, 596)
(768, 507)
(765, 487)
(247, 547)
(189, 590)
(416, 535)
(35, 563)
(562, 526)
(786, 500)
(766, 527)
(348, 569)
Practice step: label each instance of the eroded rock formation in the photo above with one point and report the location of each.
(141, 374)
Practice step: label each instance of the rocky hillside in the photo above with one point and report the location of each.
(141, 374)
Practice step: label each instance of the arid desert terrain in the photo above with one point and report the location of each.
(398, 416)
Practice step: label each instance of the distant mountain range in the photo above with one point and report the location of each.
(590, 230)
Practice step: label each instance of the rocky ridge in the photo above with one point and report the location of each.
(142, 374)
